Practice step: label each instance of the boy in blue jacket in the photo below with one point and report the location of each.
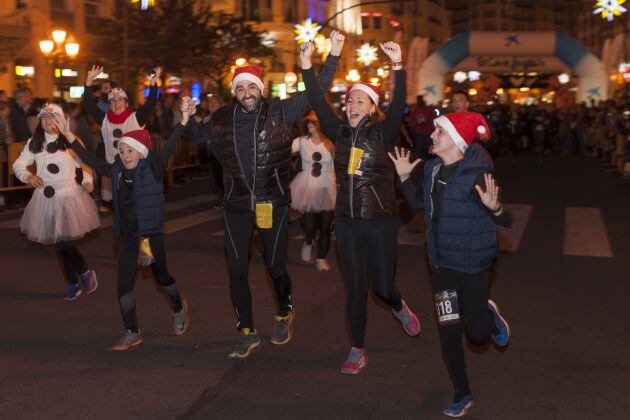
(138, 195)
(462, 211)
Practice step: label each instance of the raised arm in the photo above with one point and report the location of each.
(187, 108)
(297, 106)
(88, 95)
(144, 112)
(394, 115)
(328, 120)
(88, 178)
(98, 164)
(404, 167)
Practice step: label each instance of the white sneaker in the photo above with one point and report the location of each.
(322, 264)
(307, 251)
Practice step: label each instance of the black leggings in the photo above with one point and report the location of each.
(72, 261)
(127, 266)
(367, 246)
(322, 220)
(239, 227)
(461, 297)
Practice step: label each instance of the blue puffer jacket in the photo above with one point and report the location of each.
(148, 195)
(466, 239)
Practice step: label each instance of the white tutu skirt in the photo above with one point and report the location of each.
(313, 194)
(67, 215)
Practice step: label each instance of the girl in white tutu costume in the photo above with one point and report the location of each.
(313, 190)
(60, 210)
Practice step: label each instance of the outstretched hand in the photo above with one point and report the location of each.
(93, 74)
(401, 161)
(187, 108)
(306, 51)
(490, 197)
(157, 73)
(62, 125)
(336, 40)
(392, 50)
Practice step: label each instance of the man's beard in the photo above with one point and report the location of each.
(253, 106)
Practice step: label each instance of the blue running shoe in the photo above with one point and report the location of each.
(73, 293)
(458, 409)
(502, 337)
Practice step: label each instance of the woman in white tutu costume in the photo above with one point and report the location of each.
(60, 210)
(313, 190)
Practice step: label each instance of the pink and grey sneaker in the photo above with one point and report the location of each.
(73, 293)
(89, 281)
(355, 362)
(408, 320)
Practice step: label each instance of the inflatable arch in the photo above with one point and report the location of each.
(558, 49)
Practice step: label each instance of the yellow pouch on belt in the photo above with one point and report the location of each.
(264, 215)
(145, 255)
(355, 159)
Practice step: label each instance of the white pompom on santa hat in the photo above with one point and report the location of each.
(249, 73)
(463, 127)
(139, 140)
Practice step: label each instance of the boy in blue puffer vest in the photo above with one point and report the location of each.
(462, 211)
(138, 194)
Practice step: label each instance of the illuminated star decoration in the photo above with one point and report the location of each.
(366, 54)
(513, 39)
(609, 9)
(144, 4)
(307, 31)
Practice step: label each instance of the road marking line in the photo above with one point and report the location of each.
(585, 233)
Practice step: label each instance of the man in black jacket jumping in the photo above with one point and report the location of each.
(251, 138)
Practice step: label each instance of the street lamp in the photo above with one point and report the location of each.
(60, 47)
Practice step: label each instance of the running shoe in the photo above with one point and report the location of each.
(408, 320)
(322, 264)
(73, 293)
(180, 320)
(307, 251)
(459, 408)
(501, 331)
(282, 329)
(89, 281)
(248, 341)
(356, 361)
(128, 340)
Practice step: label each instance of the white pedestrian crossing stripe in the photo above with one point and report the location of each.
(585, 234)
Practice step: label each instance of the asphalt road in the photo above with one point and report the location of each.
(567, 359)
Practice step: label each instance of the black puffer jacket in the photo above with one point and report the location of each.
(369, 193)
(271, 162)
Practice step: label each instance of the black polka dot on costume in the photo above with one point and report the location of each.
(317, 156)
(117, 133)
(52, 168)
(317, 166)
(52, 148)
(49, 191)
(115, 144)
(316, 172)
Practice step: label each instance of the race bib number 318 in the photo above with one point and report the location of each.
(447, 307)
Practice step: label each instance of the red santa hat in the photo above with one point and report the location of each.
(249, 73)
(463, 127)
(371, 90)
(139, 140)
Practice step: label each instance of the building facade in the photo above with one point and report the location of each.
(24, 23)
